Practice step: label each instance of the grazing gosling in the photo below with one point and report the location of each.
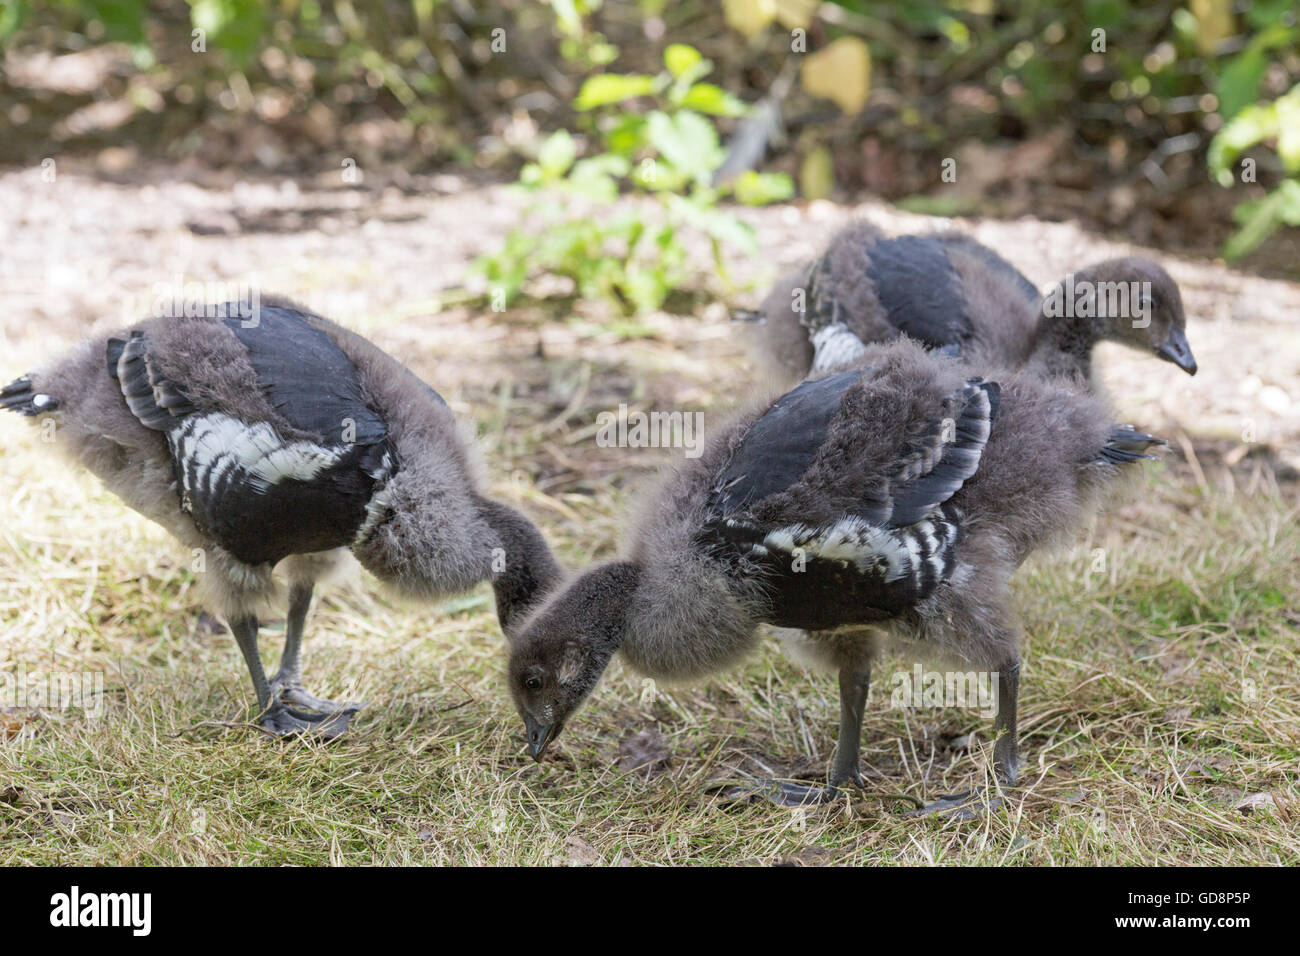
(275, 438)
(949, 292)
(891, 499)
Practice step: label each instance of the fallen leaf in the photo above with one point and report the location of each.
(645, 751)
(12, 724)
(1214, 23)
(817, 174)
(750, 17)
(841, 73)
(795, 14)
(581, 853)
(1255, 801)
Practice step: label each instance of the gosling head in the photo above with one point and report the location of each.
(1154, 320)
(558, 657)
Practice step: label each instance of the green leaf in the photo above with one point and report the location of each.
(646, 288)
(1261, 218)
(1266, 13)
(1288, 129)
(687, 140)
(608, 88)
(627, 136)
(235, 26)
(1252, 125)
(679, 58)
(1288, 209)
(557, 154)
(1239, 82)
(709, 98)
(12, 16)
(759, 189)
(123, 19)
(596, 177)
(714, 223)
(659, 175)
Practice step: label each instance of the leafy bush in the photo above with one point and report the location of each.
(669, 152)
(1277, 122)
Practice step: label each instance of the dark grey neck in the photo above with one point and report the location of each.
(1064, 339)
(525, 570)
(1061, 348)
(602, 597)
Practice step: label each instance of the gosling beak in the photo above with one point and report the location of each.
(1177, 350)
(748, 315)
(539, 737)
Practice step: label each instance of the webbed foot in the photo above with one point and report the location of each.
(290, 692)
(970, 805)
(282, 721)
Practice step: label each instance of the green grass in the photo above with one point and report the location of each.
(1138, 730)
(1160, 686)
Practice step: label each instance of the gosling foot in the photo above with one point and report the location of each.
(282, 721)
(786, 793)
(290, 692)
(970, 805)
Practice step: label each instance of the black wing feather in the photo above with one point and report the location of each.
(314, 385)
(920, 290)
(21, 396)
(889, 552)
(156, 402)
(1126, 444)
(305, 376)
(958, 456)
(780, 446)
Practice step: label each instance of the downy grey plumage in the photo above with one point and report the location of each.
(950, 292)
(892, 499)
(278, 438)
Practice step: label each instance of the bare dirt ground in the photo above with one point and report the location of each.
(80, 250)
(1152, 653)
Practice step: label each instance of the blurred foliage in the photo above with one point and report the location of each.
(883, 91)
(1277, 122)
(1250, 124)
(670, 151)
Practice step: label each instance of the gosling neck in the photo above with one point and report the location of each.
(523, 570)
(1069, 326)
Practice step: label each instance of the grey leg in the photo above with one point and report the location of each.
(245, 631)
(1006, 754)
(287, 682)
(275, 717)
(299, 603)
(855, 681)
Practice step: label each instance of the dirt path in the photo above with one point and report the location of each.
(81, 250)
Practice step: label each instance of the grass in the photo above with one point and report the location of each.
(1160, 687)
(1138, 727)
